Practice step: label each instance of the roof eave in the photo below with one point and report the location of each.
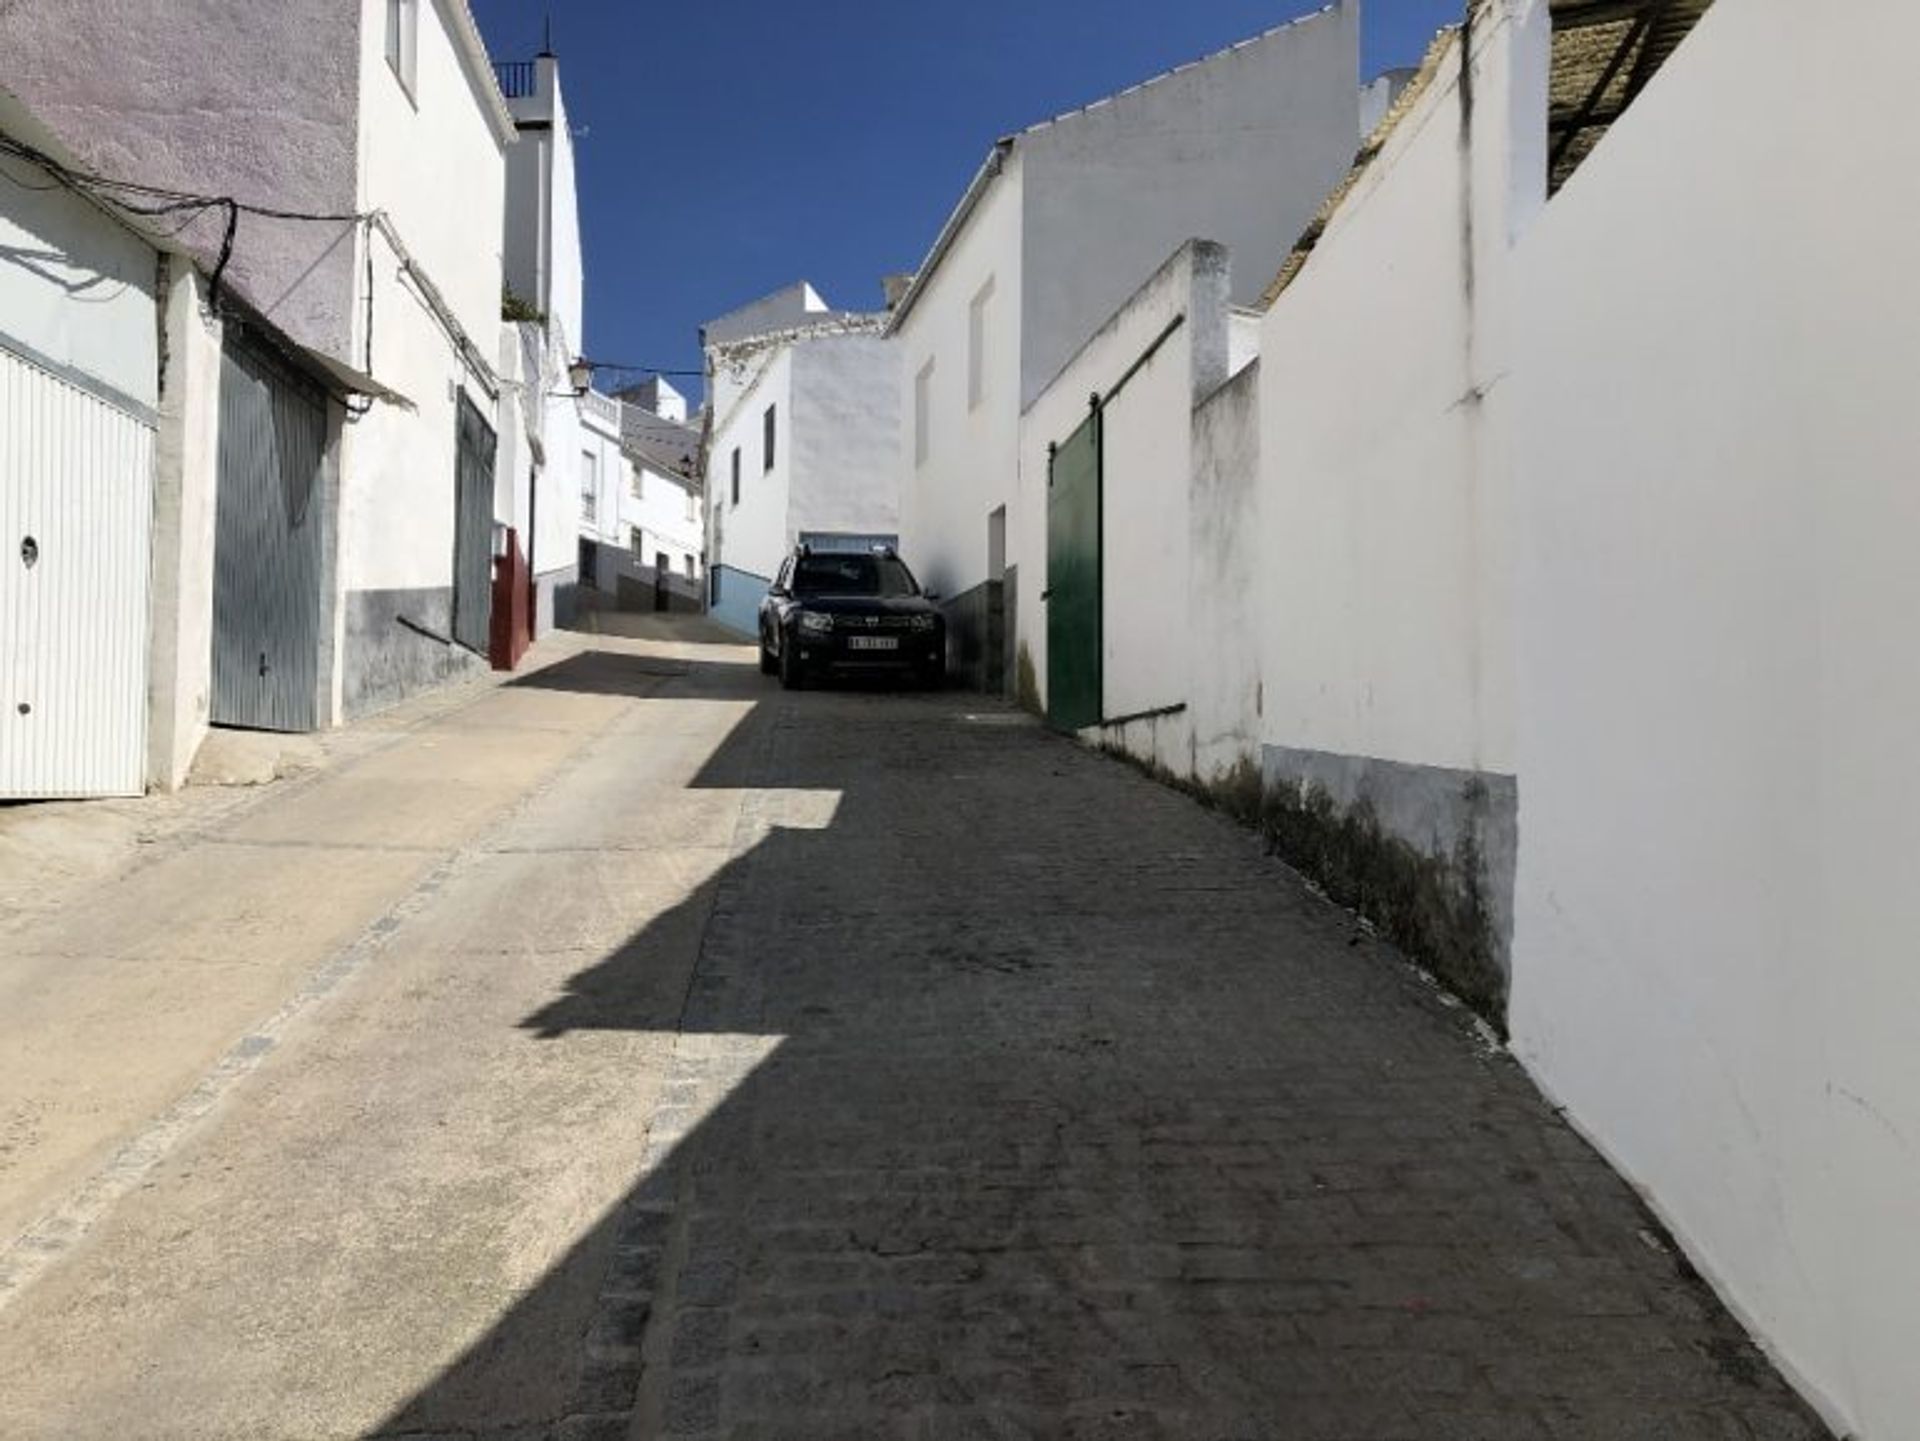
(479, 67)
(989, 170)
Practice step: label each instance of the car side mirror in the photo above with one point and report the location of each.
(930, 594)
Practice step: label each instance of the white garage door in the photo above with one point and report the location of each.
(76, 512)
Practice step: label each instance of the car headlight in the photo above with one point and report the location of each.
(814, 622)
(925, 622)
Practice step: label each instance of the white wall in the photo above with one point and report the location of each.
(755, 533)
(667, 512)
(1717, 341)
(972, 463)
(568, 280)
(846, 436)
(1225, 582)
(435, 164)
(599, 437)
(76, 288)
(1240, 148)
(186, 490)
(1383, 501)
(557, 511)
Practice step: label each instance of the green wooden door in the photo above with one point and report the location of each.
(1073, 579)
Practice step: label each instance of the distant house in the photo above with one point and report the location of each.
(639, 527)
(803, 443)
(662, 510)
(352, 561)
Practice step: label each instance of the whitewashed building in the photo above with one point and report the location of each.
(383, 154)
(1059, 226)
(803, 440)
(662, 511)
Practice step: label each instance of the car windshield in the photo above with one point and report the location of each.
(875, 575)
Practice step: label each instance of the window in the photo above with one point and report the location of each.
(639, 483)
(689, 561)
(403, 27)
(693, 507)
(736, 475)
(922, 418)
(766, 439)
(637, 541)
(589, 485)
(853, 574)
(978, 332)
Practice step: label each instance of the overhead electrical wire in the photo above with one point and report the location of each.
(168, 202)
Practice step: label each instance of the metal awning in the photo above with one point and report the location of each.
(348, 380)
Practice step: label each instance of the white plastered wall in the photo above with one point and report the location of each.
(609, 472)
(662, 514)
(186, 488)
(568, 277)
(1224, 582)
(1240, 148)
(972, 460)
(1383, 493)
(1717, 340)
(78, 288)
(846, 436)
(435, 165)
(754, 532)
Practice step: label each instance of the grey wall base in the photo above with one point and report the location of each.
(1425, 852)
(399, 643)
(977, 638)
(1010, 631)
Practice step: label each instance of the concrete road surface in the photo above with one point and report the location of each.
(638, 1050)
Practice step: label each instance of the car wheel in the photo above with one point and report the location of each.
(793, 675)
(768, 665)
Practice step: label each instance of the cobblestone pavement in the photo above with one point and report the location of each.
(1017, 1096)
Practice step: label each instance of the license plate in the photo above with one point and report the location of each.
(873, 642)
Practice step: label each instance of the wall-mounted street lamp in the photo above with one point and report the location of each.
(580, 375)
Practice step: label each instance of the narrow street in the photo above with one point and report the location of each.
(636, 1050)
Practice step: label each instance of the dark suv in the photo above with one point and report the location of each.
(850, 612)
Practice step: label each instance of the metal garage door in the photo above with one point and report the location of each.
(268, 545)
(1074, 579)
(473, 530)
(76, 516)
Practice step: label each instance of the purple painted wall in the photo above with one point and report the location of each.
(231, 97)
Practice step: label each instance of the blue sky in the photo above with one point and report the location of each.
(730, 147)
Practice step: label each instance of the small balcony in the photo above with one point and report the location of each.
(519, 79)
